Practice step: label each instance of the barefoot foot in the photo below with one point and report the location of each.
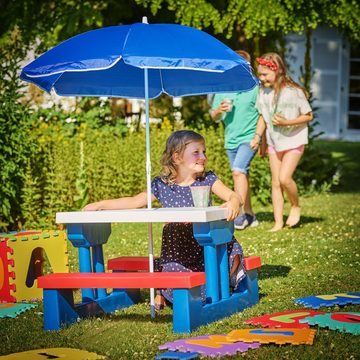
(294, 216)
(276, 227)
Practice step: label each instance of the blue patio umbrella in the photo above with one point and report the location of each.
(141, 61)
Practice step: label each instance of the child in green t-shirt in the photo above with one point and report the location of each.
(239, 114)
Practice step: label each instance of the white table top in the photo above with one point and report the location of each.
(185, 214)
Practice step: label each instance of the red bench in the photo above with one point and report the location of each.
(141, 263)
(60, 308)
(188, 310)
(134, 280)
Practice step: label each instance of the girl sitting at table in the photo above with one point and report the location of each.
(183, 165)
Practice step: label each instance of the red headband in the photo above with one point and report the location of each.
(267, 63)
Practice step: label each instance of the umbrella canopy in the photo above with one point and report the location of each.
(141, 61)
(110, 62)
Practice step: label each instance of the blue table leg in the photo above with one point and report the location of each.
(85, 266)
(214, 236)
(211, 273)
(224, 271)
(98, 266)
(84, 237)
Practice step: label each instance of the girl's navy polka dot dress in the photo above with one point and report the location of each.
(180, 251)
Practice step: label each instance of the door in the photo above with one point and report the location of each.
(326, 82)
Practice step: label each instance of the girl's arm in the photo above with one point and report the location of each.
(260, 128)
(130, 202)
(233, 200)
(280, 120)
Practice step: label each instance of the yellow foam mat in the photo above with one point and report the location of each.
(53, 353)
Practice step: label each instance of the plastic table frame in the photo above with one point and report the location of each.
(90, 230)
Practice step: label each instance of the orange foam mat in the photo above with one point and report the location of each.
(274, 335)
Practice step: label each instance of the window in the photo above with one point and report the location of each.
(354, 89)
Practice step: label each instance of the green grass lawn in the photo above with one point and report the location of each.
(322, 256)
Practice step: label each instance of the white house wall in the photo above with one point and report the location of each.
(330, 82)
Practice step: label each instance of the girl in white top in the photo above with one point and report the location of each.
(284, 113)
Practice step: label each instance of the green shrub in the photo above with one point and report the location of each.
(15, 140)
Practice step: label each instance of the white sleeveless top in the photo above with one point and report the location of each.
(291, 104)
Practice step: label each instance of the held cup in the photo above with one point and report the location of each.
(200, 195)
(229, 102)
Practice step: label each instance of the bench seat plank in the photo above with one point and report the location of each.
(133, 280)
(252, 262)
(129, 263)
(141, 263)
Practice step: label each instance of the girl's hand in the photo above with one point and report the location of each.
(233, 206)
(223, 107)
(279, 120)
(255, 142)
(92, 207)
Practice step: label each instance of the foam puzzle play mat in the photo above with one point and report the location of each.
(291, 327)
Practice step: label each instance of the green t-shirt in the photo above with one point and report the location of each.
(240, 123)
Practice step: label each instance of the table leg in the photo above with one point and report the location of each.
(84, 237)
(85, 266)
(214, 236)
(224, 271)
(98, 266)
(211, 273)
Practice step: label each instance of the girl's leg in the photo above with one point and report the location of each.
(240, 165)
(241, 187)
(277, 191)
(288, 166)
(235, 264)
(159, 301)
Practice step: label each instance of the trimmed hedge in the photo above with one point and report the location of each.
(112, 166)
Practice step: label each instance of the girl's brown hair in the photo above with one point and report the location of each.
(282, 78)
(176, 143)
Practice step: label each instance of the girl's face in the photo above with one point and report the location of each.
(194, 158)
(266, 76)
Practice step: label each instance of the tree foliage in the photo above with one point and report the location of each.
(51, 21)
(260, 17)
(56, 20)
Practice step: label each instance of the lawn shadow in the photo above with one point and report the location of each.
(267, 216)
(270, 271)
(311, 219)
(160, 317)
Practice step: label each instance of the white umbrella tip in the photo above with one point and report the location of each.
(145, 20)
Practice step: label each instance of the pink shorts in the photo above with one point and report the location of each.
(298, 150)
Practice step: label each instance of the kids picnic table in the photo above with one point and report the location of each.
(90, 230)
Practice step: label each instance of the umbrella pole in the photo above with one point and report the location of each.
(148, 187)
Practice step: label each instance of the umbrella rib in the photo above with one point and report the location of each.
(210, 92)
(178, 68)
(75, 70)
(162, 83)
(126, 39)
